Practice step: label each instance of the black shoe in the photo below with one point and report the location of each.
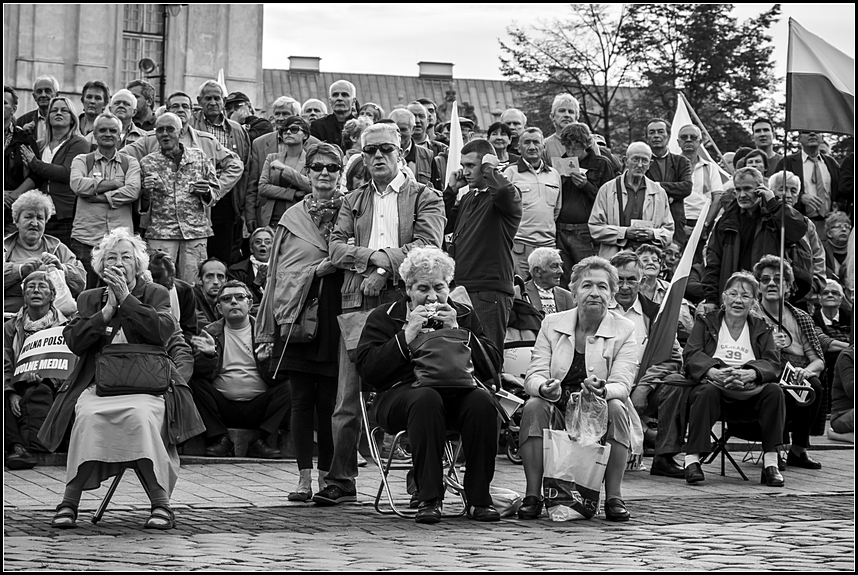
(261, 450)
(615, 510)
(487, 513)
(772, 477)
(20, 458)
(802, 460)
(222, 448)
(429, 512)
(530, 508)
(694, 473)
(666, 466)
(333, 495)
(415, 500)
(781, 463)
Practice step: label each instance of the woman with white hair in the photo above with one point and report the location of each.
(386, 360)
(52, 171)
(30, 249)
(113, 432)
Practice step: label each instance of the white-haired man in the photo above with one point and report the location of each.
(282, 109)
(313, 110)
(564, 110)
(705, 179)
(179, 183)
(341, 96)
(419, 159)
(378, 225)
(45, 88)
(516, 121)
(123, 105)
(642, 205)
(106, 183)
(226, 216)
(543, 289)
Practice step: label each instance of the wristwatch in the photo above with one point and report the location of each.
(382, 272)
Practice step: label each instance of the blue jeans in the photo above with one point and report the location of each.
(345, 422)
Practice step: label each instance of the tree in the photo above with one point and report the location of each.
(723, 67)
(581, 55)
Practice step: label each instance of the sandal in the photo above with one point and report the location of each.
(162, 518)
(301, 496)
(66, 517)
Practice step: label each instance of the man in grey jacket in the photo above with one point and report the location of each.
(377, 225)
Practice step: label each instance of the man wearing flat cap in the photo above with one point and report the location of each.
(238, 108)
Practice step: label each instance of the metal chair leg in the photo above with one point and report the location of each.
(107, 497)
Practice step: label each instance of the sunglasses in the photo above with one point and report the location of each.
(688, 137)
(226, 298)
(830, 292)
(332, 168)
(371, 149)
(294, 129)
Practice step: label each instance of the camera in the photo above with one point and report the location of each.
(432, 321)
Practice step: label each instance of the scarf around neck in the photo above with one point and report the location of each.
(324, 212)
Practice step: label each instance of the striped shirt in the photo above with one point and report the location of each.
(385, 209)
(218, 131)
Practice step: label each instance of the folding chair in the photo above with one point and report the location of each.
(452, 481)
(112, 489)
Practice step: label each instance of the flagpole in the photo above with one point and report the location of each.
(783, 199)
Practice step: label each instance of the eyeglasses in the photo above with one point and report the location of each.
(294, 129)
(688, 137)
(745, 297)
(629, 282)
(371, 149)
(228, 297)
(643, 161)
(332, 168)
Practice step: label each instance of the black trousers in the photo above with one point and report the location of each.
(799, 419)
(767, 408)
(223, 217)
(268, 411)
(35, 405)
(312, 393)
(426, 415)
(668, 404)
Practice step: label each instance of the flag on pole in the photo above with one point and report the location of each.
(454, 156)
(820, 84)
(663, 330)
(681, 119)
(222, 82)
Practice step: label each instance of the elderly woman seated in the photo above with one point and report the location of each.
(113, 432)
(27, 401)
(733, 356)
(590, 349)
(387, 359)
(29, 249)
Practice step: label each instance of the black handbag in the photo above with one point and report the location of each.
(131, 368)
(442, 359)
(306, 324)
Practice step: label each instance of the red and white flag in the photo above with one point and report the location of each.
(820, 84)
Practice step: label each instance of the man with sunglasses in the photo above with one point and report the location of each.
(705, 180)
(232, 387)
(378, 224)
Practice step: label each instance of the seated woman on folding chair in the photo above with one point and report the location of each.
(588, 339)
(112, 433)
(799, 345)
(389, 346)
(733, 356)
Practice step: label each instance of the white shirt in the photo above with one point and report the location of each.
(48, 153)
(385, 210)
(827, 321)
(636, 314)
(705, 172)
(810, 187)
(734, 352)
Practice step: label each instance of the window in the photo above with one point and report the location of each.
(142, 37)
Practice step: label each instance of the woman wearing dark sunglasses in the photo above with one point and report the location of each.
(283, 181)
(302, 272)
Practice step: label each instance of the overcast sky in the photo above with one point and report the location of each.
(392, 38)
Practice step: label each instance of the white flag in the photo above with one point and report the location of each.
(454, 157)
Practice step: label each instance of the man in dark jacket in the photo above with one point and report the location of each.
(232, 388)
(484, 223)
(748, 230)
(45, 89)
(15, 169)
(329, 129)
(238, 108)
(672, 171)
(182, 300)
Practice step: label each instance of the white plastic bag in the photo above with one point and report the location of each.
(506, 501)
(64, 300)
(586, 418)
(573, 476)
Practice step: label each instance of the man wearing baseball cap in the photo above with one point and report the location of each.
(238, 108)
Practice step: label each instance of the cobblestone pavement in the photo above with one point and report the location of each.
(234, 517)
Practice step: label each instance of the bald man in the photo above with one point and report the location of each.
(341, 96)
(179, 183)
(642, 205)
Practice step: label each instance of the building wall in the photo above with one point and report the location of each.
(77, 43)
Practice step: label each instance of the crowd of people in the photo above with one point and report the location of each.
(284, 263)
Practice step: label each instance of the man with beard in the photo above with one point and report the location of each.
(642, 205)
(670, 170)
(94, 97)
(819, 175)
(45, 89)
(764, 139)
(341, 96)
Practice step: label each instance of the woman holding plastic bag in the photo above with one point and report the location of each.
(586, 356)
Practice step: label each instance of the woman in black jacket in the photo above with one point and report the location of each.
(384, 360)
